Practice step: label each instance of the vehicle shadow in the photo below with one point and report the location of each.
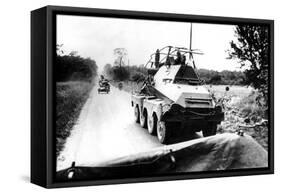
(185, 136)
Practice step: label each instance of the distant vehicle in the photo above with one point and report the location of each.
(120, 86)
(174, 98)
(104, 86)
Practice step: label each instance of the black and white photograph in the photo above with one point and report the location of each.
(139, 98)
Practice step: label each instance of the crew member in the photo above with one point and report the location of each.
(179, 58)
(157, 58)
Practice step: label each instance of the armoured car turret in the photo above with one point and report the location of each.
(173, 98)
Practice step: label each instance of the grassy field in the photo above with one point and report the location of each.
(70, 98)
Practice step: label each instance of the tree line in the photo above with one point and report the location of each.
(139, 74)
(222, 77)
(72, 67)
(125, 73)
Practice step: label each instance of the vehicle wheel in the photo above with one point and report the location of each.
(143, 119)
(137, 114)
(152, 124)
(164, 131)
(212, 130)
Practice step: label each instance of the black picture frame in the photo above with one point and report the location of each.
(43, 52)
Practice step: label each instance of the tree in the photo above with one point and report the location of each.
(121, 54)
(107, 69)
(73, 53)
(59, 49)
(120, 73)
(216, 79)
(138, 77)
(251, 50)
(75, 68)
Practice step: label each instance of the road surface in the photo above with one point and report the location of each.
(105, 130)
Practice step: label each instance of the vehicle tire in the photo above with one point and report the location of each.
(143, 119)
(137, 114)
(152, 124)
(212, 130)
(164, 132)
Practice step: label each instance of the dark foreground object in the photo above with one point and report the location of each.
(220, 152)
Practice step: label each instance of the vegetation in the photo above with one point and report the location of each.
(125, 73)
(242, 112)
(75, 68)
(252, 51)
(222, 78)
(138, 74)
(74, 80)
(70, 98)
(121, 54)
(256, 116)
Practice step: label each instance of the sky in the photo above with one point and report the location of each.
(97, 37)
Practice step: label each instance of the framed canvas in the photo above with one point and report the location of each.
(127, 96)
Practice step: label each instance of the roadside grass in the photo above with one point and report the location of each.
(255, 115)
(70, 98)
(249, 107)
(244, 112)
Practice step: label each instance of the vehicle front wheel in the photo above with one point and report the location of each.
(152, 124)
(212, 130)
(164, 132)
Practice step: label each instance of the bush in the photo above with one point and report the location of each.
(125, 73)
(138, 77)
(74, 68)
(119, 73)
(253, 106)
(222, 78)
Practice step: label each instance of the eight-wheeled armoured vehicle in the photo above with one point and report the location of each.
(173, 98)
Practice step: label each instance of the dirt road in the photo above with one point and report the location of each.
(105, 130)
